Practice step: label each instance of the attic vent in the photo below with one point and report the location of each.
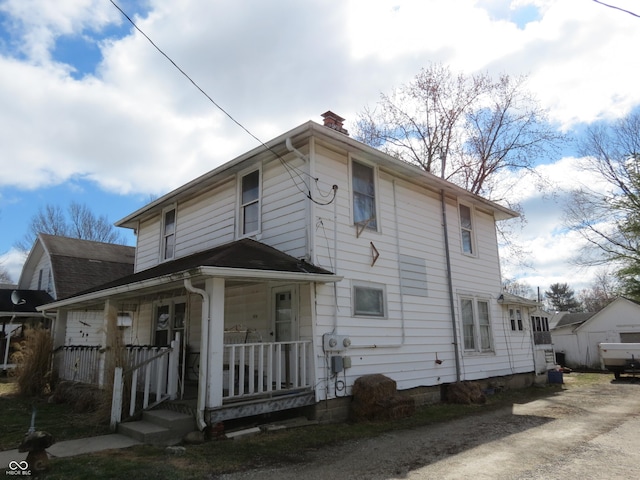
(334, 122)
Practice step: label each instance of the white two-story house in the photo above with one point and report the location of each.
(287, 273)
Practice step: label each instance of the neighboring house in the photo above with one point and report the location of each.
(17, 308)
(528, 323)
(287, 273)
(64, 266)
(576, 335)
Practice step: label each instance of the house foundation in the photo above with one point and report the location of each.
(337, 409)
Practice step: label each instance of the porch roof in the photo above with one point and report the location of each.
(32, 298)
(244, 259)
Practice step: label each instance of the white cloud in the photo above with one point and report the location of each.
(137, 125)
(12, 262)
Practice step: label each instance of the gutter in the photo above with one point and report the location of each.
(202, 270)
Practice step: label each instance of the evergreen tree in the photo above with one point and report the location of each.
(561, 298)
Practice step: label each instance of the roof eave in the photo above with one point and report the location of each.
(200, 272)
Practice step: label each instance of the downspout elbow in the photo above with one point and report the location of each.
(291, 148)
(204, 352)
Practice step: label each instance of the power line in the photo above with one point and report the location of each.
(288, 168)
(617, 8)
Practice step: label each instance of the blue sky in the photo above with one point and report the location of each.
(94, 114)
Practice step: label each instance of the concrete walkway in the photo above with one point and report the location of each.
(69, 448)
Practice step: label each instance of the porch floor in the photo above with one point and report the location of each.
(233, 409)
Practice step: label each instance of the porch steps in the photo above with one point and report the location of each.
(159, 427)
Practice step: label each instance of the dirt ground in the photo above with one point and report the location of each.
(583, 433)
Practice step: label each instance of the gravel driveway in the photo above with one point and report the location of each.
(584, 433)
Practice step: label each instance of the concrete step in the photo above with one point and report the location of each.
(172, 420)
(146, 432)
(159, 427)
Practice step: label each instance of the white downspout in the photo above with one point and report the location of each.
(8, 338)
(204, 352)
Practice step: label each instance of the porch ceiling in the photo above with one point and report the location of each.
(246, 261)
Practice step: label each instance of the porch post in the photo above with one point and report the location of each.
(60, 328)
(59, 336)
(109, 331)
(215, 360)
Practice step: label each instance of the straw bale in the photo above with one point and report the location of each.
(375, 398)
(465, 393)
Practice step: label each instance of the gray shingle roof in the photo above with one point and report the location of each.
(81, 264)
(32, 299)
(240, 254)
(573, 319)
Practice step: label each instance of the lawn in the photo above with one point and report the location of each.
(216, 457)
(57, 419)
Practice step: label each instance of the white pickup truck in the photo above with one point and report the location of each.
(620, 357)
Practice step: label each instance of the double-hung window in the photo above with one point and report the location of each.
(515, 317)
(250, 203)
(168, 233)
(476, 325)
(466, 230)
(364, 195)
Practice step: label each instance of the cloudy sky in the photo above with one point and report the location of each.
(91, 112)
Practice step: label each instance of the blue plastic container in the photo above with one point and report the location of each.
(555, 377)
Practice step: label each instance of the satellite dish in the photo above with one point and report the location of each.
(16, 299)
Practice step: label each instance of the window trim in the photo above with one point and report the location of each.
(471, 230)
(241, 206)
(477, 326)
(163, 233)
(362, 285)
(376, 206)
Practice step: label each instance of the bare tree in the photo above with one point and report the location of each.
(601, 293)
(77, 222)
(4, 275)
(465, 128)
(517, 287)
(608, 219)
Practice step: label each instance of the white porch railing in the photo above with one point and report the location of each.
(79, 363)
(253, 369)
(156, 375)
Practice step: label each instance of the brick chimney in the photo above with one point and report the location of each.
(334, 121)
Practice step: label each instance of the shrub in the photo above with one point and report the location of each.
(33, 363)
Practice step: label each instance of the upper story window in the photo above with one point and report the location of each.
(515, 317)
(250, 203)
(466, 230)
(364, 195)
(168, 233)
(476, 325)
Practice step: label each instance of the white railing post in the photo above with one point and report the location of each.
(173, 369)
(116, 400)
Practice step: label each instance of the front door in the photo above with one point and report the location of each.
(285, 329)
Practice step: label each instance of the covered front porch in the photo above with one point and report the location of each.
(227, 342)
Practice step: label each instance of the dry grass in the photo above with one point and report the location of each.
(33, 363)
